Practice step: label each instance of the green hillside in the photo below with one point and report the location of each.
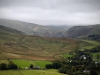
(14, 44)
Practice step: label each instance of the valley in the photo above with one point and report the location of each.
(16, 45)
(24, 50)
(49, 37)
(21, 46)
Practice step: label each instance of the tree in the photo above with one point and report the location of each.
(56, 64)
(73, 69)
(98, 56)
(93, 72)
(31, 66)
(3, 66)
(11, 65)
(48, 66)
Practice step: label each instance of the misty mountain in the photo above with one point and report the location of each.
(60, 27)
(34, 29)
(5, 31)
(84, 31)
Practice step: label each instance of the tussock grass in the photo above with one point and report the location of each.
(30, 72)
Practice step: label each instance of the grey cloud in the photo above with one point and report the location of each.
(52, 11)
(51, 4)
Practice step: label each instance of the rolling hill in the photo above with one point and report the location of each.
(16, 45)
(84, 32)
(34, 29)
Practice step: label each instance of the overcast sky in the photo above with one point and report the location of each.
(52, 12)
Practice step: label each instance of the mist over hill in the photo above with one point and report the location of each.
(61, 31)
(35, 29)
(60, 27)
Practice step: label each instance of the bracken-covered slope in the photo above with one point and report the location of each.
(15, 44)
(83, 31)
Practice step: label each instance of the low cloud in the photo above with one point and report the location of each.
(56, 12)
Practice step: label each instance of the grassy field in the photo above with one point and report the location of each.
(30, 72)
(88, 44)
(27, 63)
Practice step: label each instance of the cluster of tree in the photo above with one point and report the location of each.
(79, 64)
(34, 67)
(55, 65)
(11, 65)
(94, 37)
(94, 50)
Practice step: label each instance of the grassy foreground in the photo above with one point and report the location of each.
(30, 72)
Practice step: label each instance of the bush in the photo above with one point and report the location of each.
(12, 66)
(3, 66)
